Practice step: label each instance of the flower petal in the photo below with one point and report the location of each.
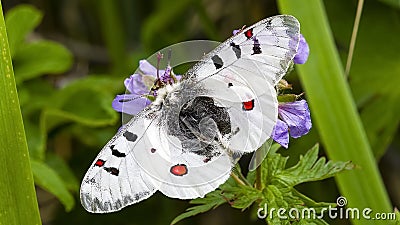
(280, 133)
(135, 85)
(297, 116)
(130, 103)
(302, 52)
(149, 69)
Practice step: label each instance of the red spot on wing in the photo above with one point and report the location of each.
(179, 170)
(248, 105)
(99, 162)
(249, 33)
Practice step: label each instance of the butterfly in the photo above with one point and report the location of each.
(184, 143)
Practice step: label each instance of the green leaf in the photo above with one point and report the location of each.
(46, 178)
(245, 196)
(61, 108)
(211, 201)
(39, 58)
(310, 168)
(18, 203)
(62, 169)
(20, 21)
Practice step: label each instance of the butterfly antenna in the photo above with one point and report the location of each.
(159, 57)
(169, 57)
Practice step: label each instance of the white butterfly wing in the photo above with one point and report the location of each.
(241, 74)
(184, 165)
(270, 45)
(115, 179)
(252, 112)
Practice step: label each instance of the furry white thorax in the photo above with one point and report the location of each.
(163, 92)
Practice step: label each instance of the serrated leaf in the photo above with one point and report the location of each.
(244, 196)
(318, 206)
(20, 21)
(39, 58)
(211, 201)
(310, 168)
(251, 176)
(46, 178)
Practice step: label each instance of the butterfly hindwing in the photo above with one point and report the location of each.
(252, 113)
(115, 179)
(182, 153)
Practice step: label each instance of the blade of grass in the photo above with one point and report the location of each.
(334, 111)
(18, 204)
(354, 36)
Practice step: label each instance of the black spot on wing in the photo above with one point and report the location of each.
(236, 49)
(230, 84)
(218, 63)
(116, 153)
(112, 170)
(256, 46)
(130, 136)
(269, 24)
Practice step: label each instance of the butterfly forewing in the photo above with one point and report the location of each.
(272, 41)
(241, 73)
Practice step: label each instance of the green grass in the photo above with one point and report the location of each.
(18, 203)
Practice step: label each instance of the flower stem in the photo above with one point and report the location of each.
(240, 179)
(354, 36)
(258, 184)
(237, 179)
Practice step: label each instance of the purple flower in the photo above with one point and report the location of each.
(294, 119)
(234, 32)
(302, 52)
(139, 86)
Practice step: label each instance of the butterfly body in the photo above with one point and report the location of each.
(182, 143)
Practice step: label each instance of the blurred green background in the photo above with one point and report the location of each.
(70, 58)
